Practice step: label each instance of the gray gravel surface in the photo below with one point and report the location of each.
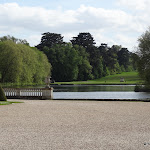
(75, 125)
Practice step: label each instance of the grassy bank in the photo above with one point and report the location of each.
(129, 77)
(7, 102)
(18, 85)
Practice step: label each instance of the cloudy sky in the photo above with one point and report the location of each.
(118, 22)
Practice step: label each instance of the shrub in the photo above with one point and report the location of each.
(142, 88)
(2, 95)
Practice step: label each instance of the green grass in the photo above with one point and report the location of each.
(7, 102)
(129, 77)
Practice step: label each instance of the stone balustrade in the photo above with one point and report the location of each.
(29, 93)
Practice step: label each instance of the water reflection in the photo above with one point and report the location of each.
(101, 95)
(97, 92)
(92, 88)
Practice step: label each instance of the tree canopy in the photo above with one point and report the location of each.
(79, 60)
(69, 63)
(144, 57)
(83, 39)
(49, 40)
(20, 63)
(82, 59)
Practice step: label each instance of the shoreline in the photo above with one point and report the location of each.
(103, 100)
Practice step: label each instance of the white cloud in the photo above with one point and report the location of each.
(140, 5)
(102, 23)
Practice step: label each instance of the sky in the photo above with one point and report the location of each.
(114, 22)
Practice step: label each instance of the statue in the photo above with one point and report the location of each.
(47, 81)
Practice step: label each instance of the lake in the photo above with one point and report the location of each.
(97, 92)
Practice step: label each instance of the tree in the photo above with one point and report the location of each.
(84, 67)
(110, 62)
(144, 57)
(49, 40)
(69, 63)
(64, 60)
(87, 41)
(96, 62)
(124, 57)
(22, 64)
(13, 39)
(83, 39)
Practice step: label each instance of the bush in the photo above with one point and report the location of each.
(142, 88)
(2, 95)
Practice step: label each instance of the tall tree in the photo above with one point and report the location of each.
(86, 40)
(64, 60)
(124, 57)
(110, 62)
(83, 39)
(144, 57)
(49, 40)
(84, 67)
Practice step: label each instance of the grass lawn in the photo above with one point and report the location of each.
(129, 77)
(7, 102)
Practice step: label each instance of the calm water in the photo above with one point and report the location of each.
(92, 88)
(98, 92)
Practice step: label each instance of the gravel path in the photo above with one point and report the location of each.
(75, 125)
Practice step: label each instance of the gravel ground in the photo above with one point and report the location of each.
(75, 125)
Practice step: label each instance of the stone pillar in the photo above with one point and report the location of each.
(47, 93)
(18, 93)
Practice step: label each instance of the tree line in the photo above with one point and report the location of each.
(77, 60)
(20, 63)
(80, 59)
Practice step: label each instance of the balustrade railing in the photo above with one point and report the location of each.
(33, 93)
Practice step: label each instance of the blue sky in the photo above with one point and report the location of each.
(65, 4)
(113, 22)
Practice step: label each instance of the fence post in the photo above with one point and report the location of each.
(47, 93)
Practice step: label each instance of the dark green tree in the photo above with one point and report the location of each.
(83, 39)
(64, 59)
(124, 57)
(110, 62)
(86, 40)
(49, 40)
(84, 67)
(96, 62)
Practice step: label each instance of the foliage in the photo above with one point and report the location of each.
(69, 63)
(144, 57)
(83, 39)
(49, 40)
(93, 62)
(123, 57)
(84, 67)
(13, 39)
(87, 41)
(21, 63)
(64, 59)
(2, 95)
